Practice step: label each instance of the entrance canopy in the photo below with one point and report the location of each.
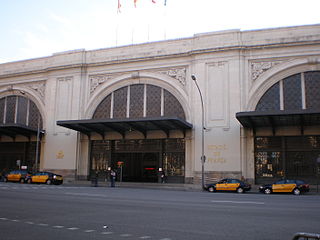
(122, 126)
(274, 119)
(14, 129)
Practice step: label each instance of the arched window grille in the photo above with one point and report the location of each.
(138, 101)
(296, 92)
(19, 110)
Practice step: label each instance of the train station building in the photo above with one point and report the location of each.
(137, 108)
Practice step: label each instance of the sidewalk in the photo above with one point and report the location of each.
(167, 186)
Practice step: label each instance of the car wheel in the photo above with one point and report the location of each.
(48, 182)
(211, 189)
(296, 191)
(5, 179)
(22, 180)
(240, 190)
(267, 191)
(29, 181)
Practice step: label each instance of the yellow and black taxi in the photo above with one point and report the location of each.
(45, 177)
(229, 185)
(285, 186)
(17, 176)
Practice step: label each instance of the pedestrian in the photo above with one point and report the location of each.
(113, 178)
(163, 177)
(95, 179)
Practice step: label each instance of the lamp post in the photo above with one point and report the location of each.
(203, 157)
(37, 144)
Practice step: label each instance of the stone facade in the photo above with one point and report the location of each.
(233, 68)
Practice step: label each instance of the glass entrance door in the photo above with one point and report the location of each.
(136, 167)
(139, 160)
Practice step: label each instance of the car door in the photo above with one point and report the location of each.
(44, 177)
(36, 178)
(289, 186)
(11, 176)
(222, 185)
(278, 186)
(16, 176)
(232, 184)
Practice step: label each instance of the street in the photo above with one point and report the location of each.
(30, 211)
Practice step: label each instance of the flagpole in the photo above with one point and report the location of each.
(165, 19)
(117, 25)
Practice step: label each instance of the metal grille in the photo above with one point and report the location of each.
(120, 103)
(22, 110)
(153, 101)
(136, 101)
(145, 145)
(104, 109)
(11, 109)
(292, 92)
(312, 86)
(172, 107)
(290, 156)
(34, 114)
(2, 102)
(270, 100)
(174, 145)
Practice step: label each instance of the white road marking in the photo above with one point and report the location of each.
(86, 194)
(43, 224)
(125, 235)
(106, 233)
(165, 239)
(145, 237)
(89, 231)
(15, 220)
(73, 228)
(237, 202)
(4, 219)
(29, 222)
(58, 226)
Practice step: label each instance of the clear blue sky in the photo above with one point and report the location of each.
(36, 28)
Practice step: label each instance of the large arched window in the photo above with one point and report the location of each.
(138, 101)
(296, 92)
(19, 110)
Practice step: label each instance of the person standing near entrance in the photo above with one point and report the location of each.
(113, 178)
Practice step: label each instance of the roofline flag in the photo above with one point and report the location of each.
(119, 7)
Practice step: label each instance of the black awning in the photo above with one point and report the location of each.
(14, 129)
(122, 126)
(276, 119)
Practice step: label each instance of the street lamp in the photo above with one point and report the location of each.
(203, 157)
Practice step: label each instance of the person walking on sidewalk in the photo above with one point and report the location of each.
(163, 177)
(113, 178)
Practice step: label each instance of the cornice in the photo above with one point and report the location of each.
(191, 53)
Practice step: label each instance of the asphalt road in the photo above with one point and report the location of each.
(64, 212)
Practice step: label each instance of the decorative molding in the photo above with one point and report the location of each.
(96, 80)
(257, 68)
(177, 73)
(39, 87)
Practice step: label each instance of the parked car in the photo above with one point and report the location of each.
(45, 177)
(229, 184)
(16, 176)
(285, 186)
